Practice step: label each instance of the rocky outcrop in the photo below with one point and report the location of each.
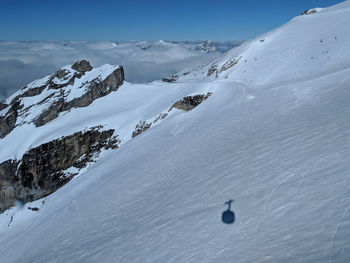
(32, 92)
(173, 78)
(206, 47)
(169, 80)
(28, 92)
(186, 104)
(213, 69)
(42, 170)
(140, 128)
(3, 105)
(51, 113)
(144, 126)
(8, 121)
(94, 90)
(50, 94)
(190, 102)
(82, 66)
(7, 189)
(229, 64)
(311, 11)
(161, 116)
(64, 77)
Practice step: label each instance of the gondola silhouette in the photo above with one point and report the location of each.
(228, 217)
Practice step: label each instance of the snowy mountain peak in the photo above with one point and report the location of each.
(306, 47)
(206, 47)
(43, 100)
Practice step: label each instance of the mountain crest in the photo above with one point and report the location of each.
(70, 87)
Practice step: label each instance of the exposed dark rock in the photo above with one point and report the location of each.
(173, 78)
(140, 128)
(3, 105)
(60, 74)
(206, 47)
(229, 64)
(96, 90)
(168, 80)
(82, 66)
(93, 89)
(28, 93)
(65, 76)
(51, 113)
(33, 92)
(41, 170)
(309, 12)
(7, 190)
(212, 70)
(35, 209)
(190, 102)
(8, 121)
(160, 117)
(50, 84)
(144, 126)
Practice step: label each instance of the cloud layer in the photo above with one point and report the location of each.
(23, 62)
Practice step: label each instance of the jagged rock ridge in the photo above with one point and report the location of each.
(8, 120)
(70, 87)
(45, 168)
(187, 103)
(206, 47)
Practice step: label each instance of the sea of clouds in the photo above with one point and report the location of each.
(25, 61)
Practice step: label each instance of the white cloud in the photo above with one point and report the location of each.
(23, 62)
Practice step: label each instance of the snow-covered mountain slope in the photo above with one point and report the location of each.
(277, 142)
(282, 155)
(307, 47)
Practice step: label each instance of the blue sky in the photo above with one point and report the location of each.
(125, 20)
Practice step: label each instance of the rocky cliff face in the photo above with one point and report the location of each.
(8, 120)
(95, 90)
(190, 102)
(69, 87)
(45, 168)
(3, 106)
